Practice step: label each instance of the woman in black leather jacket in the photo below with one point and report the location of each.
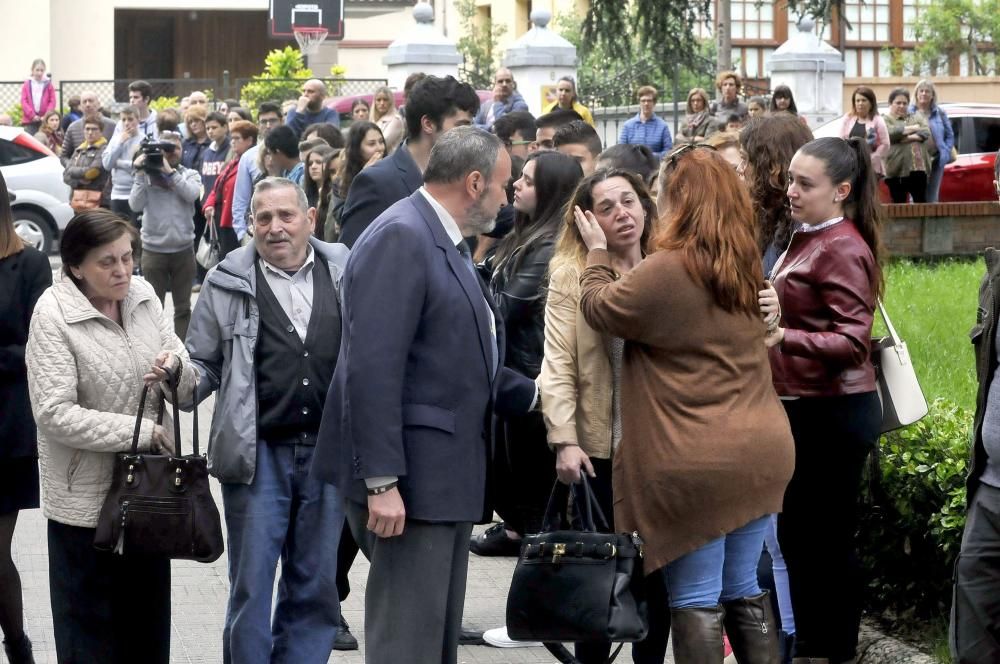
(523, 464)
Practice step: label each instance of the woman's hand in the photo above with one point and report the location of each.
(591, 232)
(569, 460)
(774, 337)
(770, 307)
(156, 373)
(161, 441)
(374, 160)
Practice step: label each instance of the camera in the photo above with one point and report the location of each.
(154, 151)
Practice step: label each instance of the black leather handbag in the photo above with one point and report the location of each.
(579, 584)
(161, 505)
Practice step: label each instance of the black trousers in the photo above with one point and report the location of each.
(106, 607)
(975, 608)
(914, 184)
(524, 470)
(818, 527)
(653, 649)
(227, 241)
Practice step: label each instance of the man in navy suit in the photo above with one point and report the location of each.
(434, 106)
(405, 431)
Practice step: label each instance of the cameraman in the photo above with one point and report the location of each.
(166, 192)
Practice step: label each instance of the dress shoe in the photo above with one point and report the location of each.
(470, 637)
(494, 542)
(345, 640)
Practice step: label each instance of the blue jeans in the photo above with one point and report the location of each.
(722, 570)
(283, 513)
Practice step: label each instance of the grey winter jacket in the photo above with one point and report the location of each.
(117, 159)
(222, 340)
(167, 208)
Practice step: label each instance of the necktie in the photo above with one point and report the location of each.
(463, 249)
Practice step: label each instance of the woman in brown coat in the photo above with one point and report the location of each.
(706, 450)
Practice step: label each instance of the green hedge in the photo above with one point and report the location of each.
(911, 527)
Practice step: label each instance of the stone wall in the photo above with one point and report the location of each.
(941, 229)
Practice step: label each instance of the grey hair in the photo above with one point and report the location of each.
(460, 151)
(272, 182)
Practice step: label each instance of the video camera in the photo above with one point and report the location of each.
(154, 151)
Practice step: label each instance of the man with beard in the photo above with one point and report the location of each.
(310, 109)
(406, 426)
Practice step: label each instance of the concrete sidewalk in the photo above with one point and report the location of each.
(200, 592)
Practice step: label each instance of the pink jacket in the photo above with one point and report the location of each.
(28, 106)
(881, 147)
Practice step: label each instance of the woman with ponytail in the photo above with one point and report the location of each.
(827, 282)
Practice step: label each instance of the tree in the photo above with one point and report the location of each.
(284, 70)
(478, 46)
(947, 29)
(663, 30)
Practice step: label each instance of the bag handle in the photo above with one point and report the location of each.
(888, 323)
(171, 382)
(561, 653)
(585, 501)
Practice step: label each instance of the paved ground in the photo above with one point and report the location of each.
(200, 591)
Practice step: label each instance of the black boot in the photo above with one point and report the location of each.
(697, 635)
(19, 652)
(345, 640)
(787, 643)
(751, 630)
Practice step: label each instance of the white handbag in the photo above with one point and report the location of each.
(899, 390)
(209, 249)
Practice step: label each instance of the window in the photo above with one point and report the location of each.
(752, 20)
(11, 153)
(911, 10)
(870, 21)
(987, 132)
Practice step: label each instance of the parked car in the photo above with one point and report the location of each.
(35, 175)
(977, 137)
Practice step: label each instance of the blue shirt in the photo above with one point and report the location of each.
(246, 173)
(653, 133)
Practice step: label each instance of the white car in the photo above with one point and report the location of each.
(35, 175)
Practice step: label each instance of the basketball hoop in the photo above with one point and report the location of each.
(309, 38)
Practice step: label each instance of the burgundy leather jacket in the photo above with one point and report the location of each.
(826, 288)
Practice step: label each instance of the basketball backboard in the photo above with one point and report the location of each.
(288, 14)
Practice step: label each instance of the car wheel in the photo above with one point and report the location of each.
(33, 229)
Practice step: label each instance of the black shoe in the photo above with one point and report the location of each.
(470, 637)
(345, 640)
(494, 542)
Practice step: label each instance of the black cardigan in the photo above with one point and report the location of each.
(24, 276)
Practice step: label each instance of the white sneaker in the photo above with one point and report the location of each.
(498, 639)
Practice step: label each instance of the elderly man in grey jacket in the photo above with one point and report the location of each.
(265, 334)
(166, 193)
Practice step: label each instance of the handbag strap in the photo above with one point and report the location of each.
(171, 381)
(580, 495)
(888, 323)
(561, 653)
(590, 505)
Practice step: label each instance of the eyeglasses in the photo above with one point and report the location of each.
(513, 143)
(267, 122)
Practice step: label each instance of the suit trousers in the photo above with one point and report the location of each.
(975, 607)
(416, 589)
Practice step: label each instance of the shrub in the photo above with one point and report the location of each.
(911, 531)
(281, 80)
(16, 113)
(161, 103)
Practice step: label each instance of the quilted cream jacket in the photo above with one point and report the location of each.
(85, 378)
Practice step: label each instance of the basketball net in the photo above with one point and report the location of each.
(309, 39)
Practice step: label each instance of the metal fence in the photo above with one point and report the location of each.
(10, 95)
(113, 93)
(286, 89)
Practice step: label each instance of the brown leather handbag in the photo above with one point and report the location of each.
(161, 505)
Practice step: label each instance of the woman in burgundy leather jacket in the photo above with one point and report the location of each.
(827, 282)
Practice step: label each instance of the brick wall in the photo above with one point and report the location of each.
(937, 229)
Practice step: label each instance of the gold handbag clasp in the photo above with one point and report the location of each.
(558, 551)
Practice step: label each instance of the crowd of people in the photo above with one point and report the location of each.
(439, 313)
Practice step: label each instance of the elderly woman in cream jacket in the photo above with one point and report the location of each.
(96, 336)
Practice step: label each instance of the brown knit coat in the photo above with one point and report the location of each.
(706, 447)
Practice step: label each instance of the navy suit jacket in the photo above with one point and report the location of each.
(374, 189)
(412, 395)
